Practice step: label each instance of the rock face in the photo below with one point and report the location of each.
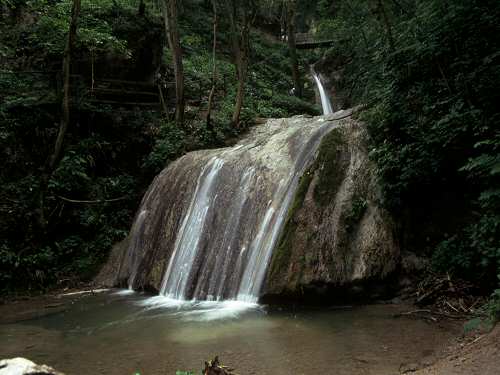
(332, 70)
(23, 366)
(216, 224)
(335, 233)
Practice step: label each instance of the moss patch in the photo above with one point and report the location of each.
(156, 275)
(331, 167)
(358, 209)
(331, 172)
(281, 255)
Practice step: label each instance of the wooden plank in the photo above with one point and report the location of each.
(318, 44)
(98, 90)
(122, 82)
(150, 104)
(308, 41)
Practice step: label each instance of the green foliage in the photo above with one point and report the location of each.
(493, 306)
(48, 35)
(358, 209)
(488, 315)
(168, 146)
(110, 154)
(432, 116)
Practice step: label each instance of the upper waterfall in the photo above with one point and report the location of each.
(325, 99)
(209, 222)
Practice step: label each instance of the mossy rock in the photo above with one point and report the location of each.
(282, 254)
(331, 167)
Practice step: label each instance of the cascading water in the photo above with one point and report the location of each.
(209, 222)
(325, 99)
(186, 246)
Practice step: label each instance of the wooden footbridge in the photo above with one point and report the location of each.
(311, 41)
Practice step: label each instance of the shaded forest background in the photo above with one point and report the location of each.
(427, 72)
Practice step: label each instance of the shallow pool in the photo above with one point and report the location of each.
(122, 333)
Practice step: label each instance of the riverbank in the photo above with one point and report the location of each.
(475, 354)
(32, 307)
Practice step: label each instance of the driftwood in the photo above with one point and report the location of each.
(448, 297)
(214, 367)
(428, 314)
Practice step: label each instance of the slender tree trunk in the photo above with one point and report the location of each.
(214, 68)
(169, 8)
(242, 69)
(65, 110)
(142, 8)
(387, 24)
(290, 18)
(162, 101)
(240, 45)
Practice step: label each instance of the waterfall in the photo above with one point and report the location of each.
(325, 99)
(209, 222)
(186, 246)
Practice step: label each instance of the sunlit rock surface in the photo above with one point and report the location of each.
(213, 220)
(23, 366)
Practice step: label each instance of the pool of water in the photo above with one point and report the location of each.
(122, 333)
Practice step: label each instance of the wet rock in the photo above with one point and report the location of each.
(208, 223)
(407, 368)
(23, 366)
(412, 264)
(336, 234)
(108, 273)
(273, 208)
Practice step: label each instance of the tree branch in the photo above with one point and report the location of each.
(92, 201)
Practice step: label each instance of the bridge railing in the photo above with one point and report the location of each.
(308, 40)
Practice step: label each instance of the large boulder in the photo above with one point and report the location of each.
(23, 366)
(209, 227)
(336, 234)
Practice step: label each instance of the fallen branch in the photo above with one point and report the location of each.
(411, 313)
(430, 312)
(215, 368)
(92, 201)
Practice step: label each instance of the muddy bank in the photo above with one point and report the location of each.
(35, 307)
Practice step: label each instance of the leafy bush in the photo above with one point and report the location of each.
(429, 77)
(169, 145)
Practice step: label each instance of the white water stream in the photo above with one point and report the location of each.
(325, 99)
(218, 214)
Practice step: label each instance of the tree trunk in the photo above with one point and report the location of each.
(240, 45)
(387, 24)
(142, 8)
(65, 110)
(169, 8)
(290, 18)
(214, 68)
